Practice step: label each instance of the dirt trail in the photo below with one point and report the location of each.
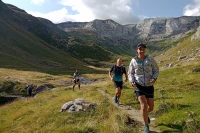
(133, 113)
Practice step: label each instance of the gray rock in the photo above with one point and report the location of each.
(41, 88)
(67, 105)
(79, 101)
(72, 108)
(54, 88)
(36, 95)
(182, 57)
(78, 105)
(196, 69)
(148, 29)
(196, 35)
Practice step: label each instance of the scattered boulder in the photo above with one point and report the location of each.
(196, 69)
(191, 59)
(78, 104)
(41, 88)
(79, 101)
(168, 65)
(85, 80)
(55, 89)
(7, 77)
(182, 57)
(197, 50)
(67, 105)
(72, 108)
(36, 96)
(196, 35)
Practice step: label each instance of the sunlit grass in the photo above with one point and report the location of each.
(42, 114)
(181, 87)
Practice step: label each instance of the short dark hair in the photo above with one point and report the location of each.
(141, 45)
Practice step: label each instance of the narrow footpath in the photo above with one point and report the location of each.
(134, 114)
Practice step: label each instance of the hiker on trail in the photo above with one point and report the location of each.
(30, 90)
(117, 78)
(76, 79)
(143, 72)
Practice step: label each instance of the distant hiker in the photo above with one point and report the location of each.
(76, 79)
(143, 72)
(30, 90)
(117, 78)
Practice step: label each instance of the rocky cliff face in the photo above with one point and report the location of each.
(196, 35)
(153, 28)
(105, 28)
(166, 27)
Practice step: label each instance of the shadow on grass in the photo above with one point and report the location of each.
(153, 132)
(58, 71)
(184, 106)
(168, 98)
(175, 128)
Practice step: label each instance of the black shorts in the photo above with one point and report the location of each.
(76, 80)
(148, 91)
(118, 84)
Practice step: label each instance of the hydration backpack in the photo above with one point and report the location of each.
(115, 69)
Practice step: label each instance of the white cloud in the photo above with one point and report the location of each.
(88, 10)
(192, 9)
(117, 10)
(37, 2)
(143, 17)
(55, 16)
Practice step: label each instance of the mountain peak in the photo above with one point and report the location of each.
(16, 9)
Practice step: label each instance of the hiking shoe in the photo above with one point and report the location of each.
(115, 99)
(146, 129)
(149, 121)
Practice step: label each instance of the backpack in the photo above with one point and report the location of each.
(115, 69)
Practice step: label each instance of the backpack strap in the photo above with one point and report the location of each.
(122, 69)
(115, 69)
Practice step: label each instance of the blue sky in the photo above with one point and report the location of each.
(121, 11)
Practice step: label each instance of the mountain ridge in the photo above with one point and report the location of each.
(166, 27)
(101, 39)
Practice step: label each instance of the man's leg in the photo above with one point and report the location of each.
(29, 92)
(144, 108)
(79, 86)
(74, 84)
(117, 95)
(119, 90)
(150, 102)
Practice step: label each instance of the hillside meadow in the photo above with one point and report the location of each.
(42, 114)
(176, 104)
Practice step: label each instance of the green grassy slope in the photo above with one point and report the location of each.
(104, 43)
(48, 32)
(27, 43)
(185, 47)
(176, 104)
(42, 114)
(21, 49)
(177, 93)
(176, 90)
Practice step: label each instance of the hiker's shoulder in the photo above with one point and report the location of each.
(149, 57)
(135, 58)
(114, 66)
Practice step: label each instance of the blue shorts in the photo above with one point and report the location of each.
(118, 84)
(148, 91)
